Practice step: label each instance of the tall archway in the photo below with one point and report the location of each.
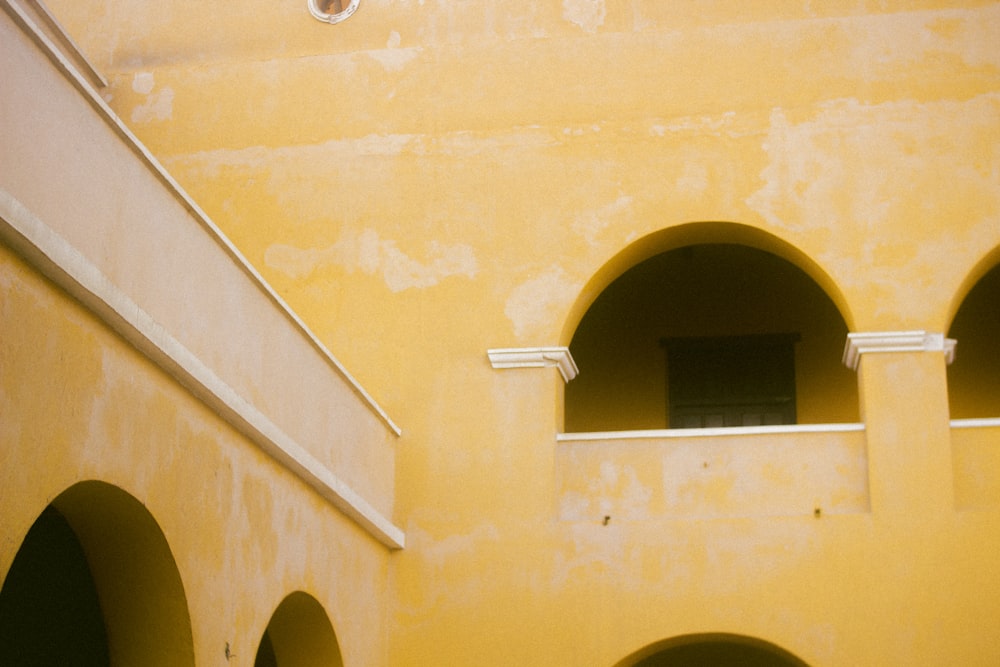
(974, 375)
(94, 579)
(299, 634)
(712, 650)
(723, 304)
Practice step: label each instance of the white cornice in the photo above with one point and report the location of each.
(535, 357)
(895, 341)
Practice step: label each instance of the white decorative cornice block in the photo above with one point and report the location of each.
(895, 341)
(535, 357)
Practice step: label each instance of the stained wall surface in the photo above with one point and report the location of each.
(429, 180)
(208, 456)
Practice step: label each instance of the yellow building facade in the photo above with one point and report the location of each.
(572, 332)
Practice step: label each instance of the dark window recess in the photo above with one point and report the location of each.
(730, 381)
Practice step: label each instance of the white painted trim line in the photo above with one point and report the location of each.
(108, 115)
(58, 260)
(335, 18)
(535, 357)
(895, 341)
(986, 422)
(656, 434)
(60, 35)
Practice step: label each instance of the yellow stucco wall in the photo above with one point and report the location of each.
(79, 404)
(429, 180)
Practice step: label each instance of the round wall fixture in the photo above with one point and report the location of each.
(332, 11)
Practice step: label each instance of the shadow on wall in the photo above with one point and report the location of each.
(722, 308)
(712, 651)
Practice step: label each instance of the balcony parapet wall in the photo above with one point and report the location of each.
(712, 473)
(975, 446)
(123, 238)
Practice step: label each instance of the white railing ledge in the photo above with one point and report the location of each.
(986, 422)
(654, 434)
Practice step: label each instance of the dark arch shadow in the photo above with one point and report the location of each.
(695, 233)
(974, 375)
(723, 295)
(712, 650)
(299, 634)
(97, 559)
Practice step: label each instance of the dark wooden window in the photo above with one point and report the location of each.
(731, 381)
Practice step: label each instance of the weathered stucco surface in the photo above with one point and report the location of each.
(428, 180)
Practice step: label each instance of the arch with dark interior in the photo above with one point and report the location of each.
(713, 333)
(94, 583)
(299, 634)
(974, 375)
(711, 650)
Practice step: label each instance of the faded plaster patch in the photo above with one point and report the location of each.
(591, 223)
(370, 254)
(158, 106)
(440, 552)
(724, 124)
(694, 180)
(393, 58)
(588, 14)
(897, 167)
(618, 491)
(532, 304)
(143, 83)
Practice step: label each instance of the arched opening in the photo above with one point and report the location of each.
(713, 650)
(94, 583)
(710, 334)
(974, 375)
(49, 611)
(299, 634)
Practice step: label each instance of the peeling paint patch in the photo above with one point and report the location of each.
(588, 14)
(694, 180)
(439, 552)
(618, 491)
(143, 83)
(591, 223)
(393, 58)
(370, 254)
(531, 305)
(158, 106)
(856, 167)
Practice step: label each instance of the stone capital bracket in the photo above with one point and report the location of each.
(535, 357)
(895, 341)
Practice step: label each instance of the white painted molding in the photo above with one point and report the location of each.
(535, 357)
(72, 73)
(982, 422)
(895, 341)
(332, 18)
(656, 434)
(53, 256)
(54, 30)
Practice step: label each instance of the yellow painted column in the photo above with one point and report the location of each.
(904, 405)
